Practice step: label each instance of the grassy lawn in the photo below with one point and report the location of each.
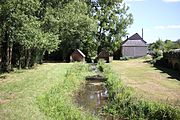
(148, 82)
(19, 90)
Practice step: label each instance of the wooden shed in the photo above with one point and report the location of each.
(104, 54)
(134, 46)
(78, 56)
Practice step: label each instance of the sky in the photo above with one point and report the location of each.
(158, 18)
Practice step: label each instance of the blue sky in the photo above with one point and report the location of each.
(158, 18)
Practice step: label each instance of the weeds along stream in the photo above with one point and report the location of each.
(123, 104)
(59, 102)
(88, 93)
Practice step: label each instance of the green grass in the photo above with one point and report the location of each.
(47, 92)
(147, 81)
(19, 91)
(123, 104)
(59, 102)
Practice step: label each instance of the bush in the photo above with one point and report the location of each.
(125, 58)
(101, 65)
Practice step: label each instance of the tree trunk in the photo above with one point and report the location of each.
(100, 40)
(33, 58)
(6, 53)
(28, 58)
(20, 59)
(42, 56)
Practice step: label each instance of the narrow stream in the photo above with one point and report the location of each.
(93, 96)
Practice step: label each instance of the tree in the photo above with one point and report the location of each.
(9, 22)
(168, 45)
(177, 44)
(157, 49)
(76, 29)
(158, 45)
(23, 39)
(113, 20)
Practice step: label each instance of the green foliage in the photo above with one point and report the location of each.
(125, 58)
(21, 30)
(177, 44)
(77, 29)
(123, 104)
(47, 25)
(164, 46)
(100, 65)
(157, 48)
(113, 20)
(169, 45)
(58, 103)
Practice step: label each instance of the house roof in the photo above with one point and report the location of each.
(79, 51)
(134, 40)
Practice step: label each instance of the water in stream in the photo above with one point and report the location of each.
(93, 96)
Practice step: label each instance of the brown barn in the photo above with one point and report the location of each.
(77, 55)
(104, 55)
(134, 46)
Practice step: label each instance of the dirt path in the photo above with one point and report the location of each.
(148, 81)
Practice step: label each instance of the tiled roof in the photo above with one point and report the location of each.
(134, 40)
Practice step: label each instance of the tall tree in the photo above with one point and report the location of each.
(76, 29)
(21, 26)
(113, 19)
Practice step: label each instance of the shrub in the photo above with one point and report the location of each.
(125, 58)
(101, 65)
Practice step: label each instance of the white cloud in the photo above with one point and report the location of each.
(134, 0)
(171, 0)
(174, 26)
(161, 27)
(147, 29)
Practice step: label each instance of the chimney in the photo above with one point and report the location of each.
(142, 33)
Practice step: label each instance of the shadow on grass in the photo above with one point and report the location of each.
(147, 61)
(55, 61)
(172, 73)
(2, 75)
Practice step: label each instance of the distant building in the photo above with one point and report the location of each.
(78, 56)
(104, 54)
(134, 46)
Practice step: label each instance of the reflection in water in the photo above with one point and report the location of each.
(93, 97)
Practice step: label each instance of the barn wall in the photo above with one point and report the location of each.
(140, 51)
(134, 51)
(128, 51)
